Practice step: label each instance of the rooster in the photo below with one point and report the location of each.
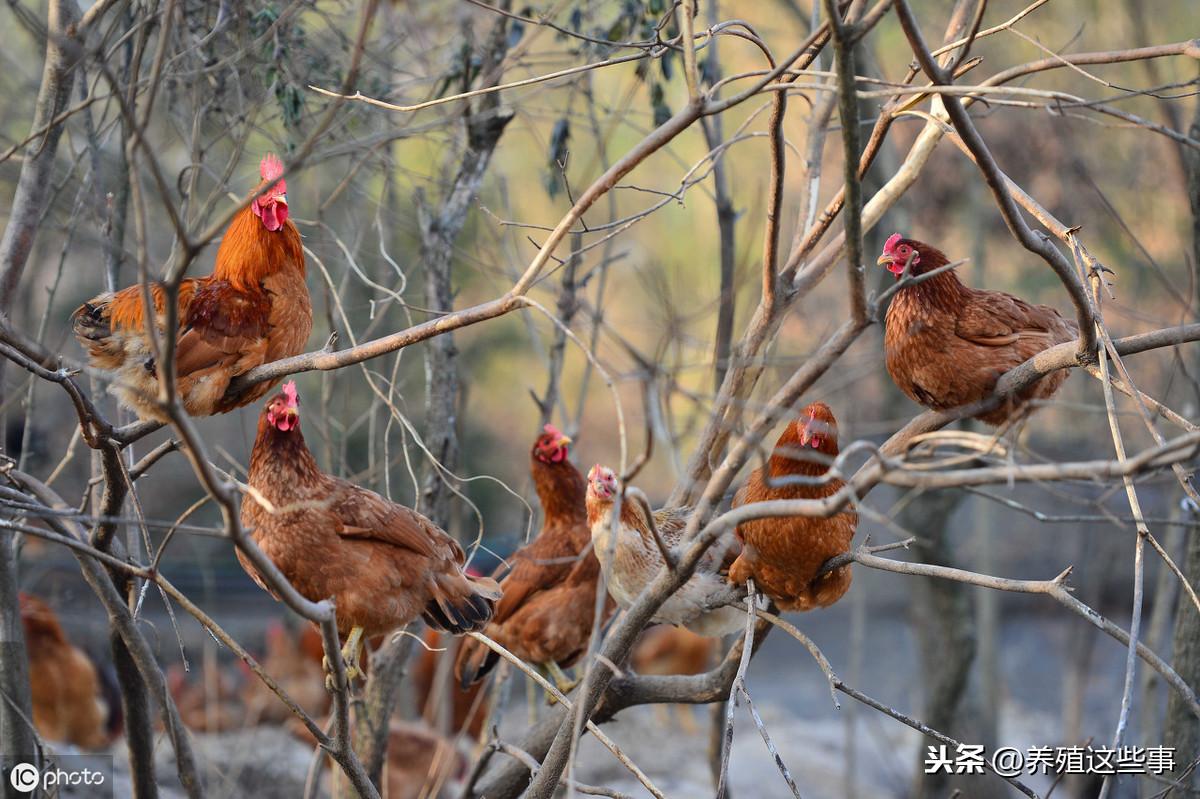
(631, 558)
(69, 702)
(383, 564)
(546, 614)
(253, 309)
(784, 555)
(948, 344)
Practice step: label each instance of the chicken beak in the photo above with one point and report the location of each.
(562, 441)
(883, 260)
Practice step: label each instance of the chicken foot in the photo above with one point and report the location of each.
(561, 680)
(350, 655)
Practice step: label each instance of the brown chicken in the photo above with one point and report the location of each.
(209, 703)
(253, 309)
(68, 702)
(784, 555)
(663, 649)
(948, 344)
(549, 600)
(443, 703)
(666, 650)
(293, 661)
(382, 563)
(421, 764)
(631, 559)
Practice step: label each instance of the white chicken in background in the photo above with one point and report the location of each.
(631, 561)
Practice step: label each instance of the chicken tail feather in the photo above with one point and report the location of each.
(462, 604)
(90, 321)
(473, 663)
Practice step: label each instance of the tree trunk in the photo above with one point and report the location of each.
(439, 232)
(1181, 730)
(17, 738)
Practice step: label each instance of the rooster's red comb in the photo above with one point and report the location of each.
(289, 391)
(891, 242)
(270, 167)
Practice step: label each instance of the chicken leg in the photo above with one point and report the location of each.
(561, 681)
(350, 654)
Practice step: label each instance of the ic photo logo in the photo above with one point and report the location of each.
(25, 777)
(64, 772)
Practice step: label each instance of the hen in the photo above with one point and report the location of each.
(546, 614)
(383, 564)
(784, 555)
(441, 702)
(253, 309)
(631, 558)
(948, 344)
(69, 704)
(421, 763)
(209, 703)
(294, 662)
(666, 650)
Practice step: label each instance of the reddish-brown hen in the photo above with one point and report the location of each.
(210, 702)
(294, 661)
(382, 563)
(68, 704)
(444, 704)
(948, 344)
(663, 649)
(784, 555)
(549, 599)
(253, 309)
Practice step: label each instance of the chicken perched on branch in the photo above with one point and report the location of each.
(253, 309)
(69, 703)
(383, 564)
(546, 614)
(948, 344)
(630, 549)
(784, 555)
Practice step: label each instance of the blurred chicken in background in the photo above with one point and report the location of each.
(208, 703)
(70, 704)
(442, 702)
(421, 763)
(665, 650)
(294, 661)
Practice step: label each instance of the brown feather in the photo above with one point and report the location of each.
(784, 555)
(394, 566)
(947, 344)
(64, 684)
(548, 606)
(253, 309)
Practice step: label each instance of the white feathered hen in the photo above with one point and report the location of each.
(633, 559)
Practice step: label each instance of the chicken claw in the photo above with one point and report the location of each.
(561, 681)
(350, 656)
